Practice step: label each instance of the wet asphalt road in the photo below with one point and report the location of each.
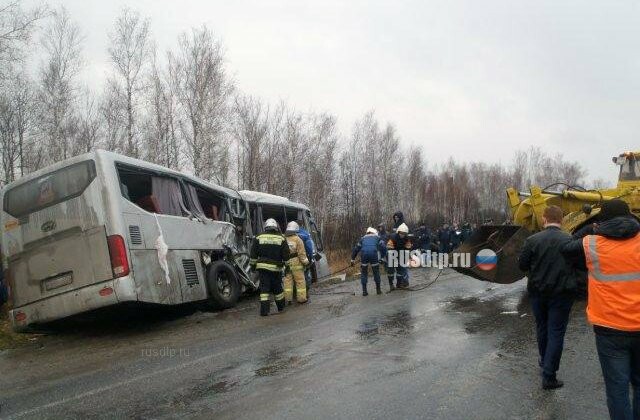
(458, 349)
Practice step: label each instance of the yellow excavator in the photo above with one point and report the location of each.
(581, 207)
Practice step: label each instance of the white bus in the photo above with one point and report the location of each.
(263, 206)
(102, 229)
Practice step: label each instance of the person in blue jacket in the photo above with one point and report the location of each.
(309, 249)
(370, 247)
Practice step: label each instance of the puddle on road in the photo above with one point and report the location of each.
(489, 315)
(283, 365)
(274, 363)
(463, 304)
(509, 315)
(398, 324)
(208, 387)
(278, 361)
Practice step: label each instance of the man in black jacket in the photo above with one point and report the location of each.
(551, 288)
(398, 219)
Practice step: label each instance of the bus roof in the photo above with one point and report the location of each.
(118, 158)
(265, 198)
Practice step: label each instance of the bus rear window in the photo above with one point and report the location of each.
(50, 189)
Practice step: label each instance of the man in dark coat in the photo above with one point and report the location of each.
(398, 219)
(551, 290)
(424, 238)
(382, 233)
(466, 232)
(444, 239)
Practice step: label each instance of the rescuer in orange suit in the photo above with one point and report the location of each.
(612, 258)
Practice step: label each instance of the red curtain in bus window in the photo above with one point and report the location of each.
(168, 195)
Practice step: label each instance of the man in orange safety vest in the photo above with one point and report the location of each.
(612, 258)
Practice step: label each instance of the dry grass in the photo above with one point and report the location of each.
(339, 259)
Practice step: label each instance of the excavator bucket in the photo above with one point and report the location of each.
(506, 241)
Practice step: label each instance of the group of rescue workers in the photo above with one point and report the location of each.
(373, 248)
(272, 254)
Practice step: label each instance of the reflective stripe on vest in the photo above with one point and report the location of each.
(614, 281)
(591, 240)
(268, 267)
(269, 239)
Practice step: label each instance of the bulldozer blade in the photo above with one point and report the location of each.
(506, 241)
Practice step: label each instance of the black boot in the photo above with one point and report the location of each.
(264, 307)
(551, 383)
(378, 289)
(280, 304)
(391, 286)
(364, 291)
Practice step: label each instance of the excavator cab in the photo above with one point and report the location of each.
(506, 241)
(629, 167)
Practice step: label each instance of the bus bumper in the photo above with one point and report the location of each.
(74, 302)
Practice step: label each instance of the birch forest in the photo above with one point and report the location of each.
(181, 108)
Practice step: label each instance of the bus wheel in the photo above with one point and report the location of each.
(223, 285)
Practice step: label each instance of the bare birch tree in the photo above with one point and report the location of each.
(89, 123)
(58, 91)
(129, 53)
(163, 145)
(16, 29)
(203, 92)
(250, 129)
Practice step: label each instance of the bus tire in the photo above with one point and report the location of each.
(222, 285)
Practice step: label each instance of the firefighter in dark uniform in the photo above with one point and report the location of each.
(269, 255)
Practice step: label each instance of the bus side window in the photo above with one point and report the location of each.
(275, 212)
(152, 192)
(204, 202)
(291, 214)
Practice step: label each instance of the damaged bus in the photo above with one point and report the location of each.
(263, 206)
(101, 229)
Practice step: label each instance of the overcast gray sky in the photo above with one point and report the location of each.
(473, 79)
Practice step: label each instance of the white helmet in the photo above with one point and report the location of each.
(270, 224)
(372, 230)
(293, 227)
(403, 228)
